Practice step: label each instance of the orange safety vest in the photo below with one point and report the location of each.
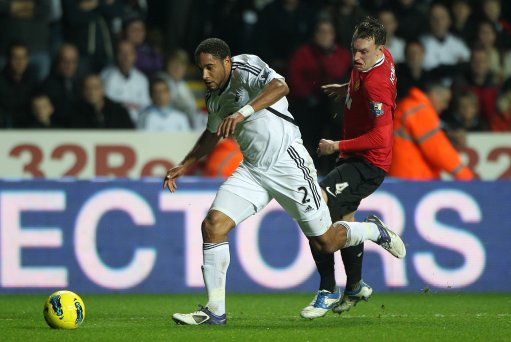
(421, 149)
(223, 160)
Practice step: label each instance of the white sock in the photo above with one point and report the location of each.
(214, 270)
(359, 232)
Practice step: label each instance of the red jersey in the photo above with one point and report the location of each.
(368, 113)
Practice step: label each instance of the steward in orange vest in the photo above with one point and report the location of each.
(421, 148)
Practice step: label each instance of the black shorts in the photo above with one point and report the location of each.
(352, 180)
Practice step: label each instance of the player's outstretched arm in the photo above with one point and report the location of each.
(204, 145)
(337, 91)
(327, 147)
(272, 92)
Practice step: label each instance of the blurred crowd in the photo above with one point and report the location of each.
(129, 63)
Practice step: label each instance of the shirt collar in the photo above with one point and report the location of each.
(378, 63)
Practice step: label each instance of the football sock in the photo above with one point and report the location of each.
(214, 270)
(358, 232)
(352, 258)
(325, 266)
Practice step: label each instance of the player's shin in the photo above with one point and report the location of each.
(325, 266)
(358, 232)
(352, 258)
(214, 271)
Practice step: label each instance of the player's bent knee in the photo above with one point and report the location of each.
(216, 226)
(323, 245)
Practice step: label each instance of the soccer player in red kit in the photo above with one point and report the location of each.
(365, 155)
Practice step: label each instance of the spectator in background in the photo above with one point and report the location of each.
(486, 37)
(126, 84)
(87, 24)
(42, 113)
(463, 22)
(501, 122)
(95, 110)
(283, 25)
(466, 114)
(62, 83)
(319, 62)
(421, 149)
(394, 44)
(182, 97)
(148, 60)
(347, 14)
(27, 21)
(411, 72)
(476, 76)
(441, 47)
(160, 115)
(411, 14)
(16, 86)
(492, 11)
(465, 119)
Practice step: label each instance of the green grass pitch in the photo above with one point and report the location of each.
(268, 317)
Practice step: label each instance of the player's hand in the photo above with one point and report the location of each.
(327, 147)
(337, 91)
(228, 125)
(170, 179)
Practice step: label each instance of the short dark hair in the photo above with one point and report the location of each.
(369, 28)
(413, 41)
(130, 20)
(156, 80)
(215, 46)
(14, 45)
(435, 83)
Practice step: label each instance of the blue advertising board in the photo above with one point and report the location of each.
(132, 236)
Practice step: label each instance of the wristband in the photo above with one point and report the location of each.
(246, 111)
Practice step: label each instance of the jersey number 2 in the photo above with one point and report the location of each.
(305, 194)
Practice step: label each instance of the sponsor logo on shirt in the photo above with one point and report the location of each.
(376, 108)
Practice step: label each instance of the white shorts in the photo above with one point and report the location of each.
(291, 181)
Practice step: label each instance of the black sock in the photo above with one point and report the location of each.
(352, 259)
(325, 266)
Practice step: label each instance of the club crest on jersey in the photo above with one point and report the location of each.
(357, 85)
(376, 108)
(237, 95)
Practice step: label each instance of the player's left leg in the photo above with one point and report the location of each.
(239, 197)
(216, 259)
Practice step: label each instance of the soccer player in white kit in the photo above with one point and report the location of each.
(246, 98)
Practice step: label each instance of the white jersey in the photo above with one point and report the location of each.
(166, 119)
(265, 135)
(132, 91)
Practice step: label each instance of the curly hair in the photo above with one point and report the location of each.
(214, 46)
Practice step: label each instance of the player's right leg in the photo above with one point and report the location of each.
(238, 198)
